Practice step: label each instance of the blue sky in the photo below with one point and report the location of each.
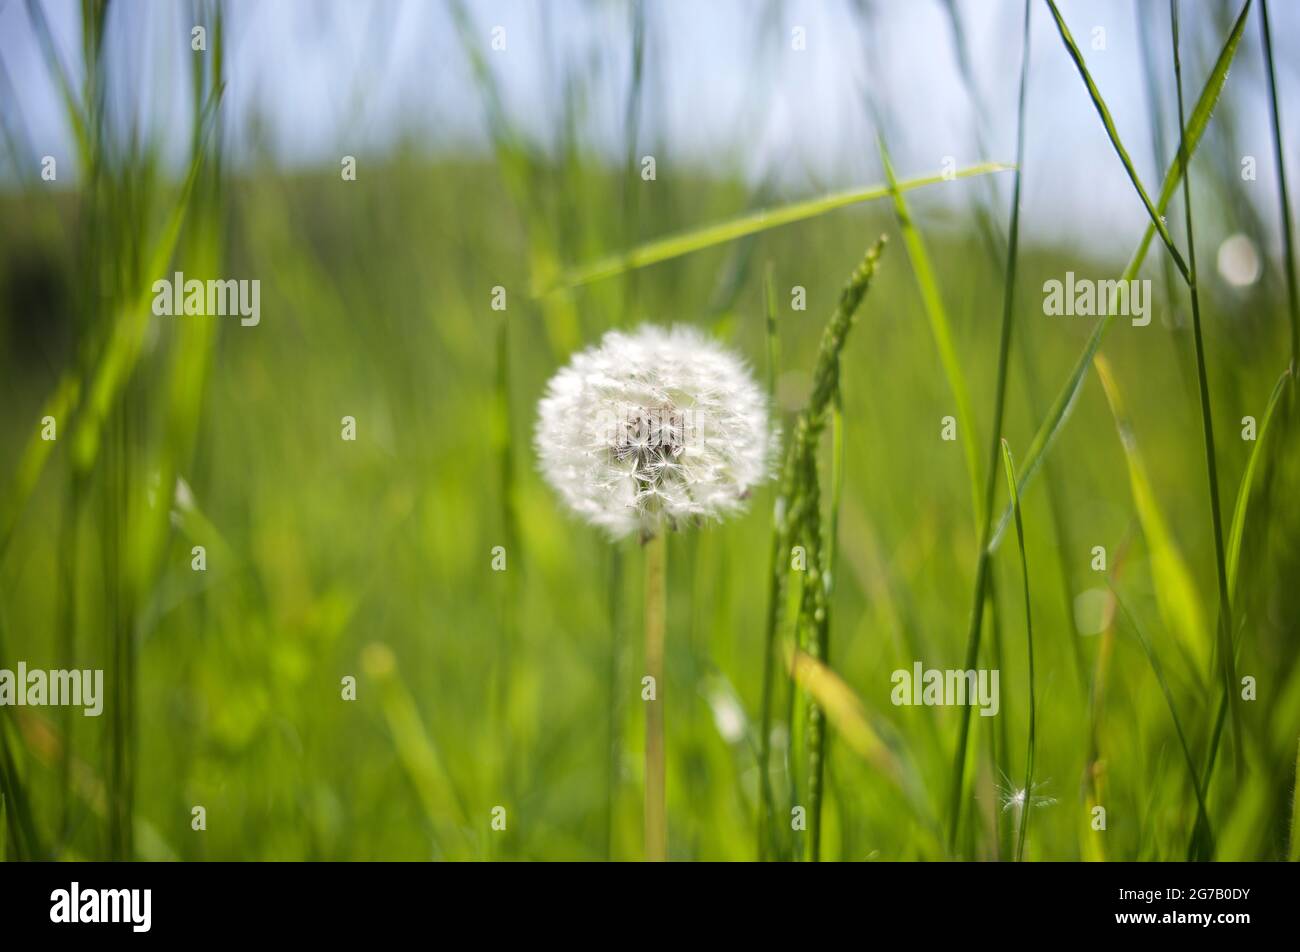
(723, 85)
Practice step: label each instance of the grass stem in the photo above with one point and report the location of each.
(990, 482)
(1027, 793)
(1227, 662)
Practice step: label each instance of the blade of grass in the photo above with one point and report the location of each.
(1226, 658)
(1026, 806)
(674, 246)
(985, 512)
(844, 710)
(940, 326)
(1242, 506)
(1095, 94)
(1059, 412)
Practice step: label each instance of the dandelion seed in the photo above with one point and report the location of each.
(1013, 797)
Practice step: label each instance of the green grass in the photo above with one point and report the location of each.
(1027, 791)
(1227, 659)
(984, 506)
(477, 689)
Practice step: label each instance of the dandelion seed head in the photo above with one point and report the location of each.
(654, 426)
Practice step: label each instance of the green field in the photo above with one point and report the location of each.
(372, 558)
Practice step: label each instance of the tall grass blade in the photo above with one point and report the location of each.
(940, 326)
(1027, 798)
(984, 511)
(1225, 628)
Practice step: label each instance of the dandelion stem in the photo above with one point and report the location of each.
(766, 796)
(656, 822)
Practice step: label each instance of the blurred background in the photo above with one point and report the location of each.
(499, 144)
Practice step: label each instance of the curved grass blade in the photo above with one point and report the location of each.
(1238, 529)
(1065, 400)
(844, 710)
(674, 246)
(854, 725)
(940, 326)
(1027, 801)
(1095, 94)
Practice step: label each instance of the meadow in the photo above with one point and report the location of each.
(495, 643)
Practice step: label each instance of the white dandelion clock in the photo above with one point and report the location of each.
(654, 427)
(645, 431)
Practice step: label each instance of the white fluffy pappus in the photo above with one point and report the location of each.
(652, 426)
